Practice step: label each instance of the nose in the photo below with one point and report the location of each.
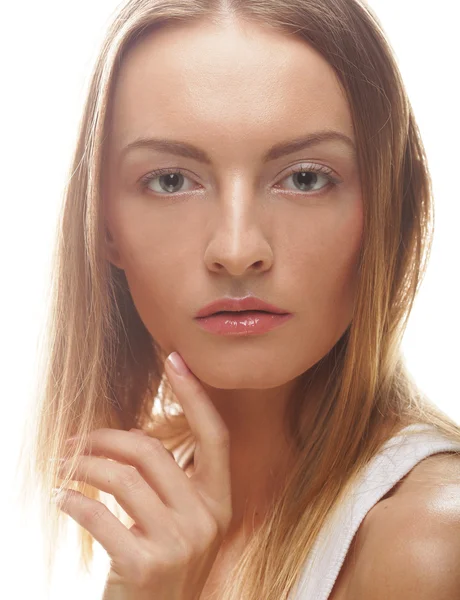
(238, 243)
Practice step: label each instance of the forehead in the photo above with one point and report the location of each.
(231, 83)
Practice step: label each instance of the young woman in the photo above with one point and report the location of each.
(249, 196)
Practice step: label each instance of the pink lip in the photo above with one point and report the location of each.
(239, 304)
(243, 323)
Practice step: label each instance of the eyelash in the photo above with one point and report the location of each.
(321, 169)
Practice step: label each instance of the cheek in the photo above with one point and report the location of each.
(156, 243)
(326, 266)
(156, 268)
(152, 282)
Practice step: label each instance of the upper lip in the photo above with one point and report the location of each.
(237, 305)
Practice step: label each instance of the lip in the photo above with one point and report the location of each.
(239, 304)
(242, 323)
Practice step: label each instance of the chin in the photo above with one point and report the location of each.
(244, 376)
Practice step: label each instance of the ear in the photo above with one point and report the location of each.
(111, 251)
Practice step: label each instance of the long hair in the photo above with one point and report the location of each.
(100, 366)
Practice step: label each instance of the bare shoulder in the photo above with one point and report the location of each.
(408, 547)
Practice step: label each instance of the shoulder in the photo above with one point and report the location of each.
(409, 548)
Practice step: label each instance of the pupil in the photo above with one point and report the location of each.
(305, 177)
(172, 180)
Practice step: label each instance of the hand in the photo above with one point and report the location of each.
(180, 521)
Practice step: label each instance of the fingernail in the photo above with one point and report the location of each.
(178, 364)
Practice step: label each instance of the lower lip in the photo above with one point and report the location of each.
(243, 323)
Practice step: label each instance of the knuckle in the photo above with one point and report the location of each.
(92, 512)
(149, 447)
(223, 518)
(150, 568)
(184, 552)
(226, 519)
(129, 477)
(202, 534)
(182, 548)
(210, 529)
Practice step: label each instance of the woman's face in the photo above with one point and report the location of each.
(239, 224)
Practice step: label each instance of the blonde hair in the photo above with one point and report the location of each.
(101, 367)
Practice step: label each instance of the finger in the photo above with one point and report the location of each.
(142, 432)
(127, 486)
(212, 456)
(138, 431)
(154, 464)
(97, 519)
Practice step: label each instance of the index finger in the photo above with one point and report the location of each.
(212, 451)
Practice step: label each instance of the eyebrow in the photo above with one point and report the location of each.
(277, 151)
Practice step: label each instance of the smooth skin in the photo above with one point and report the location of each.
(180, 521)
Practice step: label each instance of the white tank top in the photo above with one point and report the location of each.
(397, 457)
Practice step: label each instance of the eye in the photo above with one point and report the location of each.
(170, 181)
(307, 177)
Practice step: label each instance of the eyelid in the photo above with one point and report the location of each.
(314, 168)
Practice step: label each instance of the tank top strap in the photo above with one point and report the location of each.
(399, 455)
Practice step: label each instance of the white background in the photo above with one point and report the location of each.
(47, 49)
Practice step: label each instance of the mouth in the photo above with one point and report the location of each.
(242, 322)
(233, 306)
(241, 312)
